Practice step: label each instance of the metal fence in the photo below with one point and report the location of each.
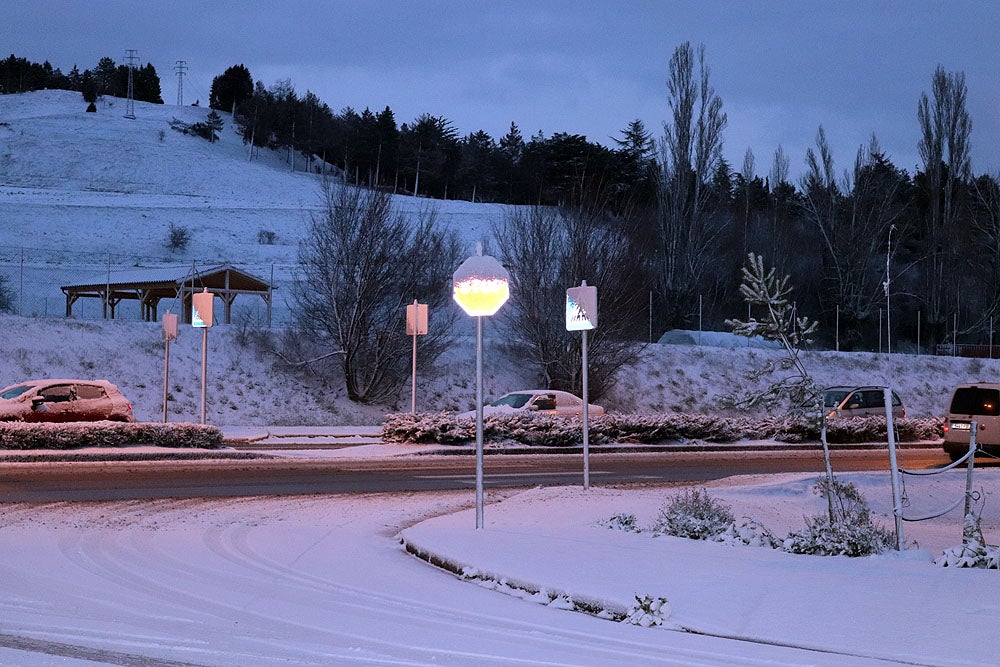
(31, 281)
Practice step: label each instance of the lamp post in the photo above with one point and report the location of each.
(481, 287)
(885, 285)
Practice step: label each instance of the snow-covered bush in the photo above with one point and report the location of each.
(17, 435)
(973, 552)
(851, 531)
(694, 514)
(622, 521)
(553, 431)
(648, 611)
(749, 532)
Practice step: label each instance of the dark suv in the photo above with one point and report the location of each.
(860, 402)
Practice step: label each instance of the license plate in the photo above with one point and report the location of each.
(961, 426)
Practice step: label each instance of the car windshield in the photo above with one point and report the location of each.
(976, 401)
(833, 397)
(512, 400)
(15, 391)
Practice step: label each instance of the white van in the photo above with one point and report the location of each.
(974, 402)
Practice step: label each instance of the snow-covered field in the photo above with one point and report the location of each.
(323, 580)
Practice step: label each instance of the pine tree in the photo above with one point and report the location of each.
(214, 123)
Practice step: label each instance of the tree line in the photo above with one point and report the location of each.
(877, 255)
(19, 75)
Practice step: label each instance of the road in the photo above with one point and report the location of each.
(57, 481)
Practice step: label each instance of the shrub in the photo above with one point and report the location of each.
(18, 435)
(748, 532)
(266, 237)
(851, 532)
(622, 521)
(178, 237)
(548, 430)
(694, 514)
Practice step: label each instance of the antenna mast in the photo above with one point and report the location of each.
(181, 68)
(131, 57)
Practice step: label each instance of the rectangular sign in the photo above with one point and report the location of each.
(169, 325)
(581, 308)
(416, 319)
(201, 309)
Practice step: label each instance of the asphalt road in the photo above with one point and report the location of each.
(54, 481)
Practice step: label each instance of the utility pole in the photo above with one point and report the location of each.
(131, 57)
(181, 68)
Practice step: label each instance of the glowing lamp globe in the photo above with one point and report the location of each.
(481, 285)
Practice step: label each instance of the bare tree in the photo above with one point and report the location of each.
(853, 221)
(361, 263)
(945, 128)
(690, 221)
(548, 250)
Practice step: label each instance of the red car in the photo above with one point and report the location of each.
(64, 401)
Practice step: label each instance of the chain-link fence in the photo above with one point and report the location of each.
(31, 281)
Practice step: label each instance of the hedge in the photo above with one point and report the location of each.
(549, 430)
(19, 435)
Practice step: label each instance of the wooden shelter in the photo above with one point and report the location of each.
(177, 284)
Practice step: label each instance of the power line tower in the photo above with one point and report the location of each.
(181, 68)
(131, 57)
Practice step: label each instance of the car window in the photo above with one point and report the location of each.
(90, 391)
(976, 401)
(57, 393)
(15, 391)
(545, 403)
(833, 397)
(872, 398)
(512, 400)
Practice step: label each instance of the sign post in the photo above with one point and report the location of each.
(416, 325)
(169, 333)
(201, 318)
(581, 315)
(481, 287)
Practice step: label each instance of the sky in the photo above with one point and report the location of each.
(782, 68)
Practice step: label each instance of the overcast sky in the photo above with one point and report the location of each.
(782, 68)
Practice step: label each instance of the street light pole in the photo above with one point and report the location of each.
(480, 287)
(885, 285)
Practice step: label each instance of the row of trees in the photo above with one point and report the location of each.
(866, 247)
(427, 156)
(853, 240)
(19, 75)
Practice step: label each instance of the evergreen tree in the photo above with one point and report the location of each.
(214, 123)
(231, 88)
(88, 87)
(106, 76)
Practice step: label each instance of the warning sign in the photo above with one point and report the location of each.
(581, 308)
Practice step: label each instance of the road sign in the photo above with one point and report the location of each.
(581, 308)
(169, 325)
(201, 312)
(416, 319)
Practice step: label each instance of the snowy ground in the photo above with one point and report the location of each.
(319, 580)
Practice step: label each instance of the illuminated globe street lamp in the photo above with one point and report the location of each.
(481, 287)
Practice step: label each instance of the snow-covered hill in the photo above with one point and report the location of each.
(80, 191)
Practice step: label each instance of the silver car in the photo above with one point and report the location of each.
(543, 401)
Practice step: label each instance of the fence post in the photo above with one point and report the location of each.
(973, 427)
(897, 498)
